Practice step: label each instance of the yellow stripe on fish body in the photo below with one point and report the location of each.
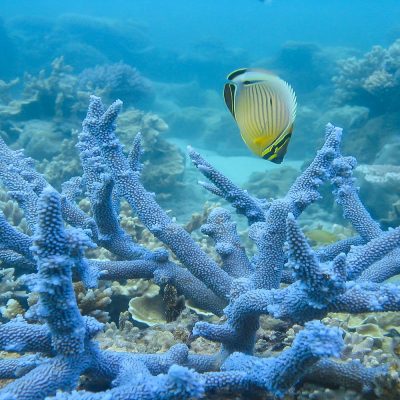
(264, 107)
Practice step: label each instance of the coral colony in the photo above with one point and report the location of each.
(286, 278)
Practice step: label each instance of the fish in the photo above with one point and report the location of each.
(264, 108)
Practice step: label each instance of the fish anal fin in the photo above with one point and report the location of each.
(277, 150)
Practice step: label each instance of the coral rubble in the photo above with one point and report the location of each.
(286, 280)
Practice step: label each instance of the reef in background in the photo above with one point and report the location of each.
(371, 81)
(43, 121)
(286, 280)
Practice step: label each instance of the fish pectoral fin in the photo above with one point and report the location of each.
(261, 141)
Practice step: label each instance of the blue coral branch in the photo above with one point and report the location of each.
(252, 208)
(269, 237)
(57, 298)
(304, 190)
(135, 154)
(329, 252)
(320, 288)
(100, 191)
(362, 257)
(15, 240)
(346, 194)
(227, 243)
(144, 204)
(277, 374)
(13, 368)
(25, 184)
(383, 269)
(344, 277)
(352, 375)
(20, 191)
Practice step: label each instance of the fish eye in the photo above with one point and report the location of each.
(251, 82)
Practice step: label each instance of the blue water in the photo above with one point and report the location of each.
(257, 26)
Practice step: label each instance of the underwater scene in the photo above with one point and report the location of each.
(199, 199)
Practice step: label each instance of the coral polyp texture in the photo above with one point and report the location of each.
(285, 279)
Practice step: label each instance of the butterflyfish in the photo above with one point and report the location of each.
(264, 107)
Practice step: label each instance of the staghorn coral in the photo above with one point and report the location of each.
(165, 176)
(346, 276)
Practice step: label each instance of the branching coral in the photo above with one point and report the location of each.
(346, 276)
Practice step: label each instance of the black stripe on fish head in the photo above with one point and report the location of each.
(229, 97)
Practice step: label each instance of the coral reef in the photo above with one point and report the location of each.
(61, 94)
(10, 294)
(45, 95)
(372, 80)
(371, 145)
(271, 184)
(286, 279)
(119, 81)
(164, 176)
(382, 179)
(157, 306)
(33, 122)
